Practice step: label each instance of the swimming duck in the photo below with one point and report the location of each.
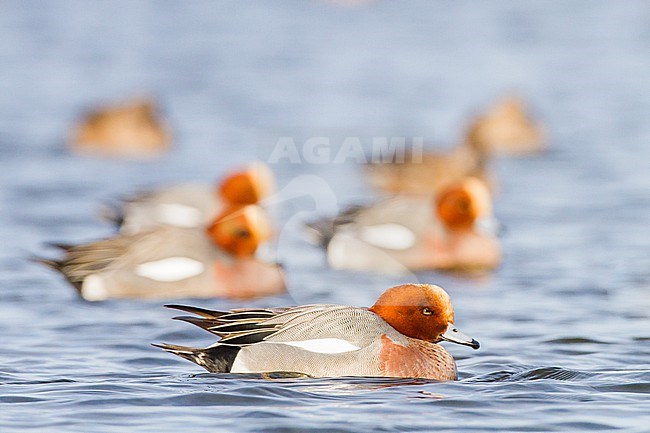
(192, 205)
(429, 172)
(397, 337)
(409, 233)
(131, 129)
(506, 129)
(172, 262)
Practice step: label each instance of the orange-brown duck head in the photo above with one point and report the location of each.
(239, 230)
(247, 186)
(460, 205)
(421, 311)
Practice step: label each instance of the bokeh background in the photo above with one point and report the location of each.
(564, 322)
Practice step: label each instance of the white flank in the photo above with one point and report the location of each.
(92, 288)
(323, 345)
(170, 269)
(388, 236)
(179, 215)
(317, 345)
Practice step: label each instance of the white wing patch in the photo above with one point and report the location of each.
(322, 345)
(238, 365)
(388, 236)
(179, 215)
(92, 288)
(170, 269)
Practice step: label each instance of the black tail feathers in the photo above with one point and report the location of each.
(215, 359)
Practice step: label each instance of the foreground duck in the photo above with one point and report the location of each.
(409, 233)
(397, 337)
(172, 262)
(192, 205)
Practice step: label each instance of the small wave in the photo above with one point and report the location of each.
(537, 373)
(636, 387)
(19, 399)
(575, 340)
(4, 380)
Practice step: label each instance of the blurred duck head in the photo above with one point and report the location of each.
(465, 205)
(248, 186)
(239, 230)
(130, 129)
(505, 128)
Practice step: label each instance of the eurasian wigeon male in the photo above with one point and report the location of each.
(506, 129)
(397, 337)
(408, 233)
(131, 129)
(193, 205)
(173, 262)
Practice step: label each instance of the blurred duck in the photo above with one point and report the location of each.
(132, 129)
(430, 172)
(407, 233)
(397, 337)
(173, 262)
(192, 205)
(506, 129)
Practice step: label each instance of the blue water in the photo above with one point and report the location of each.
(564, 324)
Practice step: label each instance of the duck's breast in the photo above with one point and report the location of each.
(416, 359)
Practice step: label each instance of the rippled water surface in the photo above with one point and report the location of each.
(564, 323)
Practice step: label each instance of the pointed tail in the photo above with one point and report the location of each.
(55, 265)
(216, 359)
(58, 266)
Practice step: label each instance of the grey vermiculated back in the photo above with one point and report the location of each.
(297, 313)
(356, 325)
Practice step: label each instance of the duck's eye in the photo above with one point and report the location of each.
(463, 206)
(242, 234)
(427, 311)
